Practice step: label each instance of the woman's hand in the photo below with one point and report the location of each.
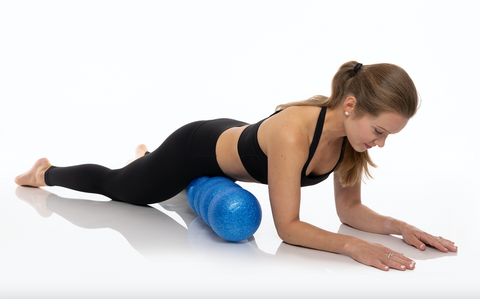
(378, 256)
(418, 238)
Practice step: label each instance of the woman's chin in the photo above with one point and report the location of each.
(360, 149)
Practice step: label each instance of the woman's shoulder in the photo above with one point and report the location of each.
(296, 117)
(295, 123)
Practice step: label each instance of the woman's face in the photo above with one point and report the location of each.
(368, 131)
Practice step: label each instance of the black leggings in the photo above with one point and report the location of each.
(185, 155)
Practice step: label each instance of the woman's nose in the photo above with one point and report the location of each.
(380, 142)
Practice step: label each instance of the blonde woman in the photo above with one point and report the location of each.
(301, 144)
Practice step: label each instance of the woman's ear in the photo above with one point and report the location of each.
(349, 103)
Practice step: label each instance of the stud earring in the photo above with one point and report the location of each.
(346, 113)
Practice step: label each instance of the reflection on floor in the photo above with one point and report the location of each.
(183, 248)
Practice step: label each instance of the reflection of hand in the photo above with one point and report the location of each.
(418, 238)
(379, 256)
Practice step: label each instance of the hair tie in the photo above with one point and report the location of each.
(357, 67)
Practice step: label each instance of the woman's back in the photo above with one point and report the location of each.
(292, 130)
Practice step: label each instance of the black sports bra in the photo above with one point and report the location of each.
(256, 162)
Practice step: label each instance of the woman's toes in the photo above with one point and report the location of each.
(140, 150)
(35, 176)
(18, 179)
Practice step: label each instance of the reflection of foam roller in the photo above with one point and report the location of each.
(231, 211)
(203, 240)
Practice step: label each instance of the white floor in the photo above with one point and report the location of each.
(85, 82)
(86, 246)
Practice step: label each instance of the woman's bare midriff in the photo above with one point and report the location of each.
(227, 155)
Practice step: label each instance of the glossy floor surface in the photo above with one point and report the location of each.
(57, 241)
(85, 82)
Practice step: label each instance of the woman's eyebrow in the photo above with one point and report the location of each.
(384, 129)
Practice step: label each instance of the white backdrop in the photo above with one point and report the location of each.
(86, 81)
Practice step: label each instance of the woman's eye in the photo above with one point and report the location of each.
(378, 132)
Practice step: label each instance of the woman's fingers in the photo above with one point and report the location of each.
(400, 262)
(435, 242)
(415, 241)
(444, 245)
(393, 260)
(419, 239)
(380, 257)
(448, 244)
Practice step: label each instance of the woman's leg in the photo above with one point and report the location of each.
(35, 177)
(155, 177)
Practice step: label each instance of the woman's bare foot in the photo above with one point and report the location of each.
(35, 177)
(140, 151)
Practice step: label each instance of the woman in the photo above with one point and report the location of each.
(299, 145)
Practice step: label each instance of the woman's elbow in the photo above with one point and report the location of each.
(343, 217)
(285, 237)
(286, 232)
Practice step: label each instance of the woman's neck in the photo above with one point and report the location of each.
(334, 126)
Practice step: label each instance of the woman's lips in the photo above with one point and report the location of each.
(368, 146)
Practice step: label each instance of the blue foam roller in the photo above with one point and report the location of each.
(208, 191)
(235, 214)
(192, 190)
(199, 194)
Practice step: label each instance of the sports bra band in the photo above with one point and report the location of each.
(256, 162)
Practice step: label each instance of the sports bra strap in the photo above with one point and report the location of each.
(256, 162)
(316, 139)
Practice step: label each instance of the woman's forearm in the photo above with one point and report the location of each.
(306, 235)
(363, 218)
(360, 217)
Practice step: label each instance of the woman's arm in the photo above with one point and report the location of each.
(352, 212)
(286, 156)
(287, 153)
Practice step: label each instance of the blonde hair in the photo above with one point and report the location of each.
(378, 88)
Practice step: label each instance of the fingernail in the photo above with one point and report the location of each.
(421, 246)
(411, 265)
(402, 266)
(386, 268)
